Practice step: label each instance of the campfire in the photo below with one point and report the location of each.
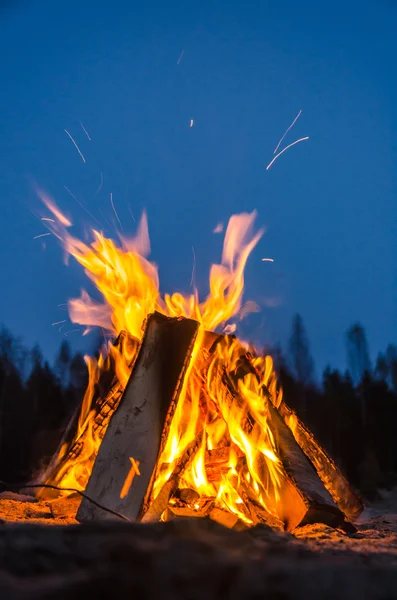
(180, 418)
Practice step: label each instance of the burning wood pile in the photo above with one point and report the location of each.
(178, 420)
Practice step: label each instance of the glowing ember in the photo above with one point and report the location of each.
(233, 458)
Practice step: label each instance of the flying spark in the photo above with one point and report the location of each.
(289, 129)
(85, 131)
(180, 56)
(286, 148)
(58, 322)
(76, 146)
(47, 219)
(114, 210)
(36, 237)
(81, 204)
(100, 185)
(267, 259)
(194, 268)
(70, 331)
(131, 213)
(191, 122)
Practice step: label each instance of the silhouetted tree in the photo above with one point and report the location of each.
(301, 360)
(62, 364)
(34, 406)
(357, 352)
(391, 357)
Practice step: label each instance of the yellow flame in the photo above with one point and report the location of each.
(129, 284)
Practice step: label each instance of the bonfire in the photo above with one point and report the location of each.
(180, 417)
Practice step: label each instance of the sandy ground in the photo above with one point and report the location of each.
(376, 536)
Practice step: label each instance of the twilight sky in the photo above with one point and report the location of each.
(329, 204)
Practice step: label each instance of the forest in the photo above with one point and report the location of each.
(352, 413)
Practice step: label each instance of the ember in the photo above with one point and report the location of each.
(178, 420)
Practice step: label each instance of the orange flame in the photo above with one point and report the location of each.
(129, 285)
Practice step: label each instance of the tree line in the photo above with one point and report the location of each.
(352, 413)
(36, 403)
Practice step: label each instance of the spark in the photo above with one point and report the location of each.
(36, 237)
(100, 185)
(180, 56)
(58, 322)
(134, 470)
(70, 331)
(194, 267)
(85, 131)
(289, 129)
(131, 213)
(286, 148)
(81, 204)
(191, 122)
(76, 146)
(114, 210)
(218, 228)
(267, 259)
(47, 219)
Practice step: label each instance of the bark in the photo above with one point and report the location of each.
(106, 399)
(345, 497)
(138, 429)
(342, 493)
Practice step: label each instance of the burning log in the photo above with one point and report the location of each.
(152, 514)
(342, 493)
(302, 497)
(347, 500)
(137, 428)
(77, 446)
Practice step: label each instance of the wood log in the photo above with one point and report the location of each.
(342, 493)
(77, 445)
(139, 427)
(345, 497)
(303, 497)
(223, 517)
(151, 513)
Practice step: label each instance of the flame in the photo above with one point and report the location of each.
(229, 412)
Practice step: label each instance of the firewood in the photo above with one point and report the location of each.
(341, 492)
(303, 497)
(185, 511)
(345, 497)
(224, 517)
(139, 427)
(107, 396)
(153, 512)
(188, 496)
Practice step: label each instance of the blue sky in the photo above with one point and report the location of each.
(247, 69)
